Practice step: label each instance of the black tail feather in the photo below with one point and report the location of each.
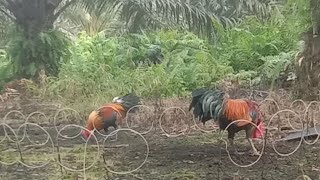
(196, 95)
(130, 100)
(204, 101)
(199, 92)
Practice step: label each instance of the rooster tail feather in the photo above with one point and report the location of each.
(193, 103)
(199, 92)
(130, 100)
(212, 103)
(196, 95)
(196, 103)
(206, 103)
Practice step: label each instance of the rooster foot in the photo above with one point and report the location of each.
(240, 153)
(254, 153)
(235, 152)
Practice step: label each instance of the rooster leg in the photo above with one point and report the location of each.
(230, 138)
(115, 128)
(249, 132)
(220, 140)
(232, 145)
(111, 121)
(234, 148)
(255, 151)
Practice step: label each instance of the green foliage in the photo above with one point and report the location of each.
(6, 69)
(45, 51)
(244, 46)
(165, 62)
(6, 27)
(107, 66)
(295, 13)
(172, 63)
(275, 65)
(260, 50)
(92, 16)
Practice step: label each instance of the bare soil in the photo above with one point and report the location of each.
(185, 157)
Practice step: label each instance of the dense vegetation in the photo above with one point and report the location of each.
(98, 61)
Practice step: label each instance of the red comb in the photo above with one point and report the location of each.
(87, 134)
(261, 133)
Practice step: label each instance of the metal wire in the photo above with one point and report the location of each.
(187, 116)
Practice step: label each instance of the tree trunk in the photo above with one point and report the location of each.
(308, 65)
(308, 68)
(34, 16)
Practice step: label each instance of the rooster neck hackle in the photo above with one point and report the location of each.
(94, 121)
(237, 109)
(117, 107)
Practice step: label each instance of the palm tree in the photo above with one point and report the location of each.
(91, 17)
(33, 16)
(35, 47)
(198, 16)
(5, 24)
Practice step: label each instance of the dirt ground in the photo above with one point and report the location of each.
(193, 155)
(185, 157)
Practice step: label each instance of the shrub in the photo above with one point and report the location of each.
(107, 67)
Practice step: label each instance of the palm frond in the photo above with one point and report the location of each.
(136, 15)
(196, 16)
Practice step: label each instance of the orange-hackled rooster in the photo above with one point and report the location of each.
(214, 104)
(106, 116)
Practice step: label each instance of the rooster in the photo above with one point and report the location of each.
(106, 116)
(214, 104)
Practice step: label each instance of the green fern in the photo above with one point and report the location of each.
(102, 66)
(274, 65)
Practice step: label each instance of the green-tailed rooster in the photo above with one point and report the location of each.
(215, 104)
(107, 115)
